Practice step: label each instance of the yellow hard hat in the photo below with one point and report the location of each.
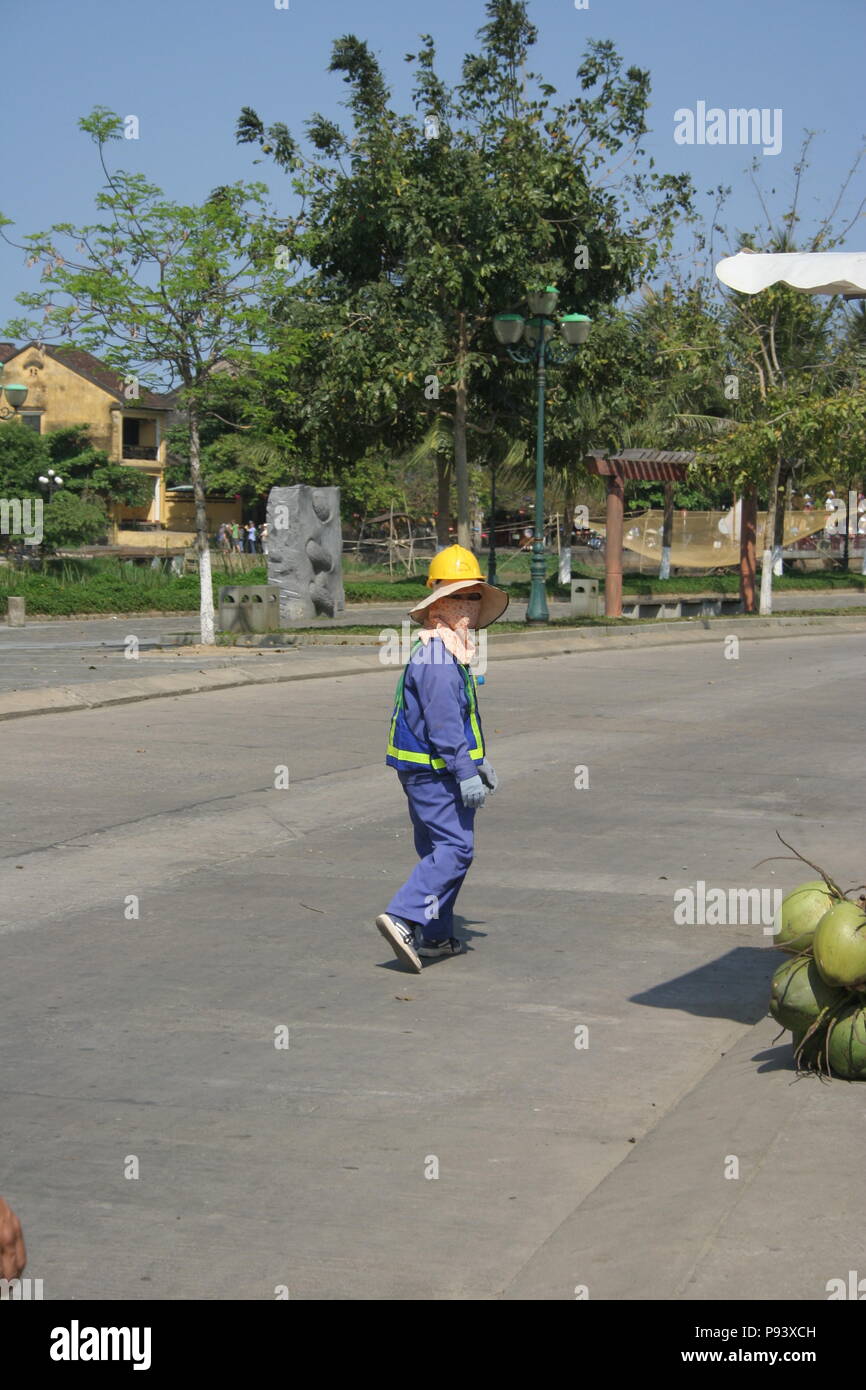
(453, 563)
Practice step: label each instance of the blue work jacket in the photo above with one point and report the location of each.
(436, 724)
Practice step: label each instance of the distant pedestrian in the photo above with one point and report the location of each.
(237, 536)
(263, 537)
(252, 536)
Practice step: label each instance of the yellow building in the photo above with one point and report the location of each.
(70, 387)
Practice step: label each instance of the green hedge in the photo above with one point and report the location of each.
(108, 586)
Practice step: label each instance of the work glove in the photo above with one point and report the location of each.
(473, 792)
(488, 776)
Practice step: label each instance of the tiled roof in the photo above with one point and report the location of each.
(86, 365)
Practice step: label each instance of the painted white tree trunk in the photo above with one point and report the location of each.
(770, 548)
(667, 532)
(208, 635)
(206, 612)
(766, 601)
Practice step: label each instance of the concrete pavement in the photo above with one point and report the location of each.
(114, 677)
(151, 1037)
(56, 654)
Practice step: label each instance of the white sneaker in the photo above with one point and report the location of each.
(448, 946)
(401, 939)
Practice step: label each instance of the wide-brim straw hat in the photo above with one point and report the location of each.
(493, 601)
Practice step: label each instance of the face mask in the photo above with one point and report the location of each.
(457, 612)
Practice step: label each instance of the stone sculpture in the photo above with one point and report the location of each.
(305, 551)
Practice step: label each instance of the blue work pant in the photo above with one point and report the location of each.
(444, 842)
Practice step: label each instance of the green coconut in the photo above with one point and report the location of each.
(847, 1047)
(800, 913)
(798, 994)
(839, 946)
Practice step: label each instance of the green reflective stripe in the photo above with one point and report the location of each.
(478, 751)
(408, 757)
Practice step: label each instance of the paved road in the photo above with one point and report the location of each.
(165, 913)
(79, 652)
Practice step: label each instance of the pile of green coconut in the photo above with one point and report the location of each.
(820, 994)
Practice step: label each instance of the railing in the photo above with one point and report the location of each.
(140, 451)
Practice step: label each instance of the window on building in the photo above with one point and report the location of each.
(31, 420)
(131, 429)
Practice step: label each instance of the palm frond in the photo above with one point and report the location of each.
(436, 440)
(708, 426)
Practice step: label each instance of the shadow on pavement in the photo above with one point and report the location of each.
(779, 1058)
(736, 986)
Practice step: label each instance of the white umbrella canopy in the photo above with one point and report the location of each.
(813, 272)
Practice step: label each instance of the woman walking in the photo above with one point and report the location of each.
(437, 747)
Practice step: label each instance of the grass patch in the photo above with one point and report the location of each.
(108, 585)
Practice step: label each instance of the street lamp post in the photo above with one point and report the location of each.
(52, 482)
(491, 552)
(15, 395)
(537, 334)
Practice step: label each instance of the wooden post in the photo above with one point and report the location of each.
(391, 541)
(613, 547)
(748, 531)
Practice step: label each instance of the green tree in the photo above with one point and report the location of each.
(87, 471)
(420, 229)
(23, 456)
(788, 354)
(157, 287)
(71, 519)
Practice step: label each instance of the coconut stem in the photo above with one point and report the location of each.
(829, 1015)
(834, 887)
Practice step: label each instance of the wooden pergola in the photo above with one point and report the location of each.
(643, 465)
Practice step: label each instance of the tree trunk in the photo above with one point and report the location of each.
(461, 466)
(846, 553)
(667, 532)
(202, 539)
(766, 604)
(443, 500)
(783, 501)
(748, 527)
(613, 548)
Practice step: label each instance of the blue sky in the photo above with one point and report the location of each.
(185, 68)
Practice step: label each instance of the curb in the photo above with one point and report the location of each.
(18, 704)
